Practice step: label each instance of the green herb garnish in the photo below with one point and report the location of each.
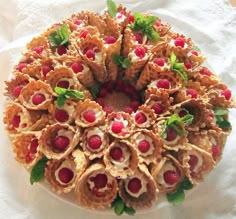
(64, 94)
(196, 48)
(121, 61)
(37, 172)
(177, 197)
(94, 91)
(120, 207)
(176, 123)
(145, 24)
(112, 8)
(60, 36)
(178, 67)
(221, 121)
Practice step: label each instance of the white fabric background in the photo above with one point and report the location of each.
(212, 25)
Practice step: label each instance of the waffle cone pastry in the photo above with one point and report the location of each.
(143, 196)
(88, 113)
(57, 140)
(121, 159)
(113, 107)
(96, 188)
(161, 172)
(148, 146)
(25, 147)
(196, 163)
(94, 141)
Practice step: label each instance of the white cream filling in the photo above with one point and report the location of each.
(172, 44)
(97, 114)
(65, 164)
(96, 131)
(66, 133)
(168, 166)
(121, 119)
(150, 141)
(200, 160)
(135, 58)
(126, 153)
(213, 141)
(23, 120)
(148, 119)
(85, 69)
(92, 184)
(41, 91)
(143, 183)
(98, 57)
(120, 17)
(69, 108)
(173, 142)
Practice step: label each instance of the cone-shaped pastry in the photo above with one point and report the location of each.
(160, 104)
(121, 159)
(168, 174)
(25, 147)
(98, 21)
(161, 28)
(138, 56)
(198, 109)
(179, 44)
(166, 82)
(58, 140)
(156, 65)
(39, 119)
(89, 113)
(46, 65)
(63, 77)
(196, 162)
(63, 174)
(211, 141)
(174, 135)
(64, 114)
(93, 53)
(120, 125)
(196, 57)
(220, 95)
(193, 90)
(81, 71)
(139, 190)
(77, 21)
(36, 95)
(15, 85)
(17, 118)
(144, 117)
(148, 145)
(38, 47)
(82, 33)
(96, 188)
(94, 141)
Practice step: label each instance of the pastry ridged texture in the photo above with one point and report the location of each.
(43, 66)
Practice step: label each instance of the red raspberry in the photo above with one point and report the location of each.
(159, 61)
(94, 142)
(131, 18)
(61, 115)
(128, 110)
(38, 49)
(182, 113)
(205, 71)
(110, 40)
(138, 37)
(33, 146)
(194, 53)
(163, 83)
(100, 180)
(65, 175)
(21, 66)
(84, 33)
(140, 118)
(158, 23)
(77, 67)
(15, 121)
(188, 65)
(90, 54)
(215, 151)
(179, 42)
(108, 109)
(63, 83)
(116, 154)
(192, 93)
(134, 185)
(140, 52)
(171, 134)
(61, 50)
(158, 108)
(144, 146)
(171, 177)
(226, 93)
(192, 161)
(61, 142)
(117, 127)
(17, 90)
(45, 69)
(38, 98)
(77, 22)
(89, 116)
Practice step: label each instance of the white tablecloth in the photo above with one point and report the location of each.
(212, 25)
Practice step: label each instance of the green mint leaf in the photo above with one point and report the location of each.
(178, 66)
(121, 61)
(129, 210)
(151, 20)
(179, 129)
(220, 111)
(60, 36)
(112, 8)
(37, 172)
(173, 59)
(186, 184)
(187, 119)
(61, 99)
(75, 94)
(126, 63)
(196, 48)
(60, 90)
(94, 91)
(118, 206)
(224, 124)
(177, 197)
(117, 59)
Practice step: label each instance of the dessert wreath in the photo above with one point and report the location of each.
(116, 108)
